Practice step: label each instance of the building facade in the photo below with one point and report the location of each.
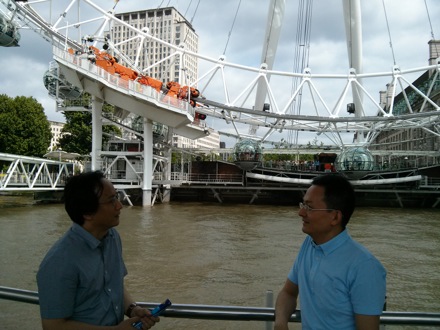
(413, 139)
(55, 129)
(211, 141)
(169, 25)
(166, 24)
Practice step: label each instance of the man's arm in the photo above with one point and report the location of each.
(285, 305)
(138, 313)
(143, 313)
(128, 300)
(367, 322)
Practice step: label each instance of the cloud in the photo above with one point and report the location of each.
(23, 69)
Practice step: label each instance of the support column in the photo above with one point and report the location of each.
(148, 162)
(96, 133)
(273, 30)
(353, 30)
(166, 193)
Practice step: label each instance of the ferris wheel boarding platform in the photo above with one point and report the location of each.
(129, 95)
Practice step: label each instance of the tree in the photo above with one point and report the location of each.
(76, 135)
(315, 144)
(24, 128)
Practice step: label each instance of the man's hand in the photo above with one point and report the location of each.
(144, 315)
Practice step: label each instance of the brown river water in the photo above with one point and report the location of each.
(215, 254)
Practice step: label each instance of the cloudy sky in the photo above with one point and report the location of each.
(409, 26)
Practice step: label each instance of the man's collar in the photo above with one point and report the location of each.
(334, 243)
(91, 240)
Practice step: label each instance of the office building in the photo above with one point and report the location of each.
(211, 141)
(166, 24)
(169, 25)
(413, 139)
(55, 129)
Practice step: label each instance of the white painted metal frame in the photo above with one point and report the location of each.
(34, 174)
(233, 105)
(226, 101)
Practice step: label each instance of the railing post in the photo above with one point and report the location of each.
(382, 326)
(269, 303)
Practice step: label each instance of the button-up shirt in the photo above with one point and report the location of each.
(336, 280)
(81, 278)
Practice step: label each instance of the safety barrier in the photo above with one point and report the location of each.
(237, 313)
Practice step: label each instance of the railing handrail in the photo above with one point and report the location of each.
(237, 313)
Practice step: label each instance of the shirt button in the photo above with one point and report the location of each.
(109, 290)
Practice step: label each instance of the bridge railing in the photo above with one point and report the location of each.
(237, 313)
(32, 173)
(430, 183)
(81, 62)
(205, 178)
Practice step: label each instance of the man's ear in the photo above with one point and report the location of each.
(337, 218)
(87, 217)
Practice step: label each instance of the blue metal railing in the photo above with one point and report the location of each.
(237, 313)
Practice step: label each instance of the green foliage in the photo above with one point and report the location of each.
(76, 135)
(284, 157)
(176, 157)
(315, 144)
(24, 128)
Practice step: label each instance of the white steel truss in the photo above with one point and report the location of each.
(33, 174)
(230, 99)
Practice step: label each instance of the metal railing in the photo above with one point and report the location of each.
(26, 173)
(237, 313)
(205, 178)
(81, 63)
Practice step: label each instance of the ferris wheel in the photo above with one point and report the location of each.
(262, 104)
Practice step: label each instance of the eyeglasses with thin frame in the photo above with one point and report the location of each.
(306, 207)
(113, 199)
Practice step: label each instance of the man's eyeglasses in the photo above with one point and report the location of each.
(113, 199)
(303, 206)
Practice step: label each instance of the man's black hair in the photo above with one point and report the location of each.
(81, 195)
(338, 194)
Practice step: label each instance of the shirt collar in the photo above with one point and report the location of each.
(333, 244)
(90, 240)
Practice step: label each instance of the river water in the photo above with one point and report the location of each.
(219, 254)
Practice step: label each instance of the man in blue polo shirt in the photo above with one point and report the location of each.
(81, 279)
(340, 284)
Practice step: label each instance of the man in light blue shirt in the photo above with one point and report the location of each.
(340, 284)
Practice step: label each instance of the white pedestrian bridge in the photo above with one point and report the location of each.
(23, 173)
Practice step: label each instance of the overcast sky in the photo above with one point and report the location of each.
(23, 67)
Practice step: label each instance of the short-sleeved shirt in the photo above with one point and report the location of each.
(81, 278)
(336, 280)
